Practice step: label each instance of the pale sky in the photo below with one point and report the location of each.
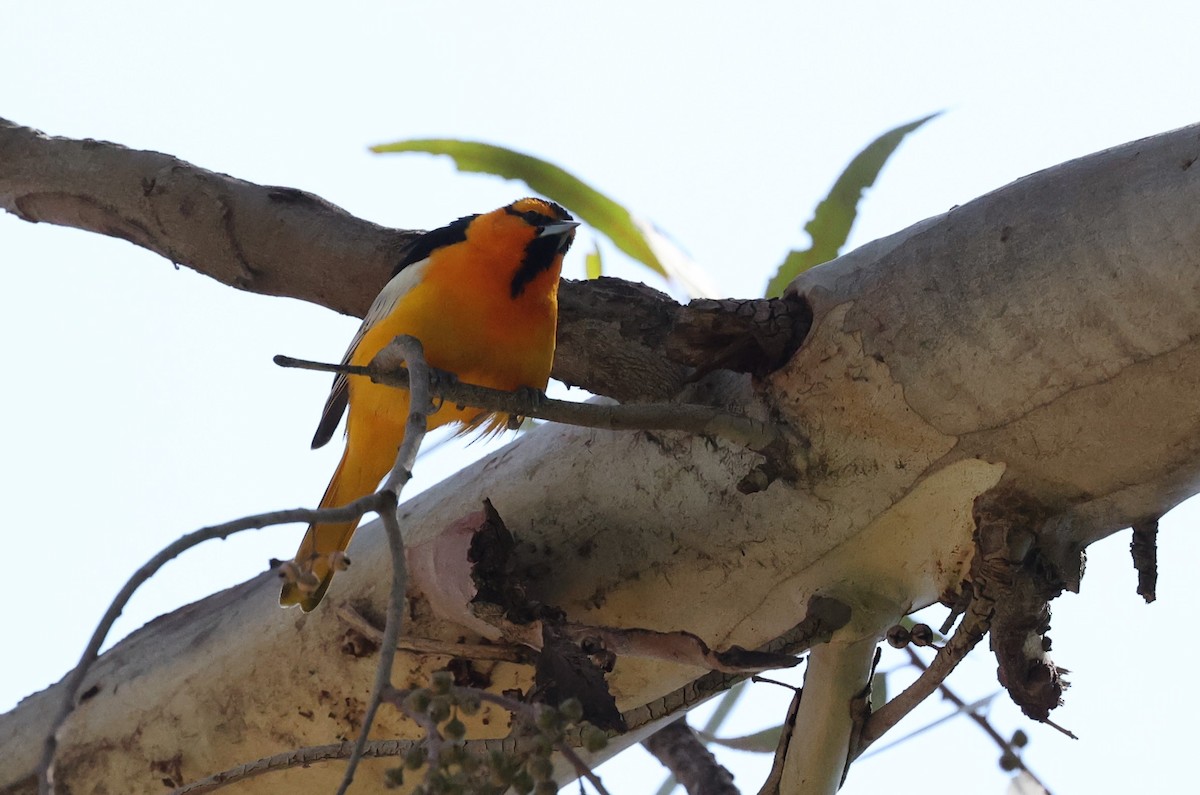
(142, 402)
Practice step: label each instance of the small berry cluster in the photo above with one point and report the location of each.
(451, 767)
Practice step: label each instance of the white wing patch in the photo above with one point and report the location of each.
(391, 294)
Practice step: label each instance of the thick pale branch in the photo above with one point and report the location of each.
(1053, 325)
(283, 241)
(265, 239)
(420, 406)
(1044, 339)
(817, 757)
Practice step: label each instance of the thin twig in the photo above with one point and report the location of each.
(691, 418)
(581, 767)
(474, 651)
(303, 757)
(75, 680)
(420, 406)
(787, 731)
(298, 757)
(1005, 746)
(972, 629)
(878, 749)
(433, 741)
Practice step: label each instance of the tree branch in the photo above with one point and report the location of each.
(299, 757)
(264, 239)
(1009, 751)
(692, 764)
(420, 406)
(954, 359)
(689, 418)
(74, 680)
(288, 242)
(972, 629)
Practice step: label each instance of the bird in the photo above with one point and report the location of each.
(481, 294)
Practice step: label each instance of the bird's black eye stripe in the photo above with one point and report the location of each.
(431, 241)
(539, 256)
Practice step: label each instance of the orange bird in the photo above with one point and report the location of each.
(482, 297)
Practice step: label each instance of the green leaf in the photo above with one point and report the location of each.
(879, 691)
(593, 265)
(762, 742)
(834, 216)
(724, 708)
(600, 212)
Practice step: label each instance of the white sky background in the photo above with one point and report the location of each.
(141, 401)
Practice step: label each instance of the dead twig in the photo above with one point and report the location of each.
(753, 434)
(299, 757)
(1009, 751)
(74, 681)
(420, 407)
(974, 626)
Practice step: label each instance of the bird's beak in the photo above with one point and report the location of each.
(552, 230)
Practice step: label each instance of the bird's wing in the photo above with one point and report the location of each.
(391, 294)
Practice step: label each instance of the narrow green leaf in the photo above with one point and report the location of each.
(761, 742)
(834, 216)
(592, 264)
(879, 691)
(724, 708)
(600, 212)
(963, 710)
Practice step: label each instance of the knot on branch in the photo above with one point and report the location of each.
(755, 336)
(634, 343)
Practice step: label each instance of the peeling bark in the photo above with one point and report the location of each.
(1145, 558)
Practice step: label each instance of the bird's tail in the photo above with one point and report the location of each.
(357, 475)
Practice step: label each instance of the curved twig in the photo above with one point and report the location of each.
(420, 406)
(75, 680)
(299, 757)
(972, 629)
(1011, 751)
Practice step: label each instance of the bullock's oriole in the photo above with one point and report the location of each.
(482, 297)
